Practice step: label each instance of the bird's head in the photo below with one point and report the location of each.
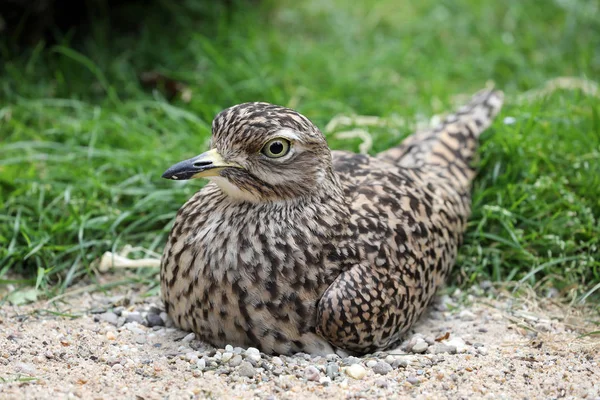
(261, 152)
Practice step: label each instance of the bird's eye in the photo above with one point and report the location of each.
(276, 148)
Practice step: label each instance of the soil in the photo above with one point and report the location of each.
(484, 343)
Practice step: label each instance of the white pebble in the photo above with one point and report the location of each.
(325, 380)
(188, 338)
(226, 356)
(276, 360)
(201, 364)
(371, 363)
(229, 348)
(252, 350)
(466, 315)
(356, 371)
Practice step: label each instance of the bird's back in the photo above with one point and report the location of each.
(408, 210)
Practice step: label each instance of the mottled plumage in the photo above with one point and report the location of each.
(317, 250)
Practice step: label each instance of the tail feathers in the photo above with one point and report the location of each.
(449, 148)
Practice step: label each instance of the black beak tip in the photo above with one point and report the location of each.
(170, 174)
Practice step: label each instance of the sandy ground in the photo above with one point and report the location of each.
(481, 344)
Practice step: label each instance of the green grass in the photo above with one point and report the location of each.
(83, 145)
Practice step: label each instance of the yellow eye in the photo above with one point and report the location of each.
(276, 148)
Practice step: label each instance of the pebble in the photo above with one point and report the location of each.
(382, 383)
(154, 320)
(226, 356)
(351, 360)
(420, 347)
(276, 361)
(229, 348)
(483, 351)
(312, 374)
(235, 361)
(134, 317)
(140, 339)
(356, 371)
(246, 369)
(459, 343)
(382, 368)
(440, 348)
(332, 370)
(413, 380)
(400, 362)
(109, 317)
(371, 363)
(110, 335)
(325, 380)
(25, 368)
(201, 364)
(390, 359)
(252, 351)
(466, 315)
(188, 338)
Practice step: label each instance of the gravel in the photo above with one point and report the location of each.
(246, 369)
(382, 368)
(133, 351)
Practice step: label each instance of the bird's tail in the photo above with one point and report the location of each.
(448, 149)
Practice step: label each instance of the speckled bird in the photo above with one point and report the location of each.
(292, 247)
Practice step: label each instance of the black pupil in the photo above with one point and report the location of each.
(276, 148)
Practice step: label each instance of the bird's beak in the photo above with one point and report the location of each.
(202, 166)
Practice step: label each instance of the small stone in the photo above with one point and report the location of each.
(356, 371)
(440, 348)
(134, 317)
(382, 368)
(371, 363)
(25, 368)
(351, 360)
(483, 330)
(238, 350)
(325, 380)
(188, 338)
(201, 364)
(466, 315)
(235, 361)
(400, 362)
(483, 351)
(246, 369)
(117, 367)
(110, 335)
(154, 320)
(459, 343)
(255, 358)
(312, 374)
(382, 383)
(390, 359)
(276, 361)
(251, 351)
(39, 359)
(413, 380)
(229, 348)
(420, 347)
(332, 357)
(109, 317)
(226, 356)
(140, 339)
(332, 370)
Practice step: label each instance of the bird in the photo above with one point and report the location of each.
(293, 247)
